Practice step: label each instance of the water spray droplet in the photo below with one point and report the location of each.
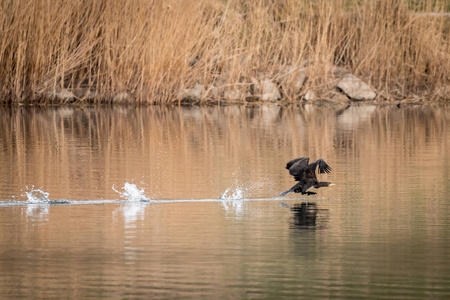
(132, 193)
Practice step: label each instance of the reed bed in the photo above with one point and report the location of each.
(148, 51)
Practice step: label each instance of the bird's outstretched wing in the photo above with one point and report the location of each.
(297, 166)
(304, 161)
(323, 166)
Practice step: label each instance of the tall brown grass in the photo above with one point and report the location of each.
(154, 49)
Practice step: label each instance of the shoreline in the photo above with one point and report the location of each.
(319, 103)
(205, 51)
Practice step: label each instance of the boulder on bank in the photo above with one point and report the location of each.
(193, 94)
(355, 88)
(235, 94)
(310, 95)
(62, 95)
(292, 79)
(264, 89)
(121, 97)
(335, 96)
(85, 94)
(213, 93)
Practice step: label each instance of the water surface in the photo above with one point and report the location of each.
(123, 203)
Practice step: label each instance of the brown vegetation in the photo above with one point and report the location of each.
(149, 51)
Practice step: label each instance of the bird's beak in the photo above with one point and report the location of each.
(331, 184)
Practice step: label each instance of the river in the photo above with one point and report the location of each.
(182, 202)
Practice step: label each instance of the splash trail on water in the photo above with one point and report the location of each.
(234, 197)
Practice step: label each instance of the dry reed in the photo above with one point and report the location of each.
(152, 50)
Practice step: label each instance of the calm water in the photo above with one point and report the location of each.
(123, 203)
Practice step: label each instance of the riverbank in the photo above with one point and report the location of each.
(215, 51)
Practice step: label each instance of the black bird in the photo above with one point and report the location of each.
(306, 175)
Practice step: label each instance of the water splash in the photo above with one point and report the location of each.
(239, 191)
(37, 204)
(136, 202)
(132, 193)
(232, 199)
(37, 196)
(233, 193)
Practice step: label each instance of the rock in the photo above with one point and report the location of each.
(264, 89)
(292, 79)
(355, 88)
(80, 92)
(310, 96)
(63, 95)
(85, 94)
(121, 97)
(213, 92)
(229, 87)
(192, 94)
(338, 97)
(235, 94)
(339, 72)
(92, 96)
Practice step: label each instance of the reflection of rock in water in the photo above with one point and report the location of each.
(307, 215)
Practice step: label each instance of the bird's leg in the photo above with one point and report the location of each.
(310, 193)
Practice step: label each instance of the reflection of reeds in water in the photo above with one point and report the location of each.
(392, 150)
(193, 152)
(148, 48)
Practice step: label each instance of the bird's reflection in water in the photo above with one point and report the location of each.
(307, 215)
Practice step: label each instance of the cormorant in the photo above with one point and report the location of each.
(306, 175)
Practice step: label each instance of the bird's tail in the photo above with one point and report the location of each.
(286, 192)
